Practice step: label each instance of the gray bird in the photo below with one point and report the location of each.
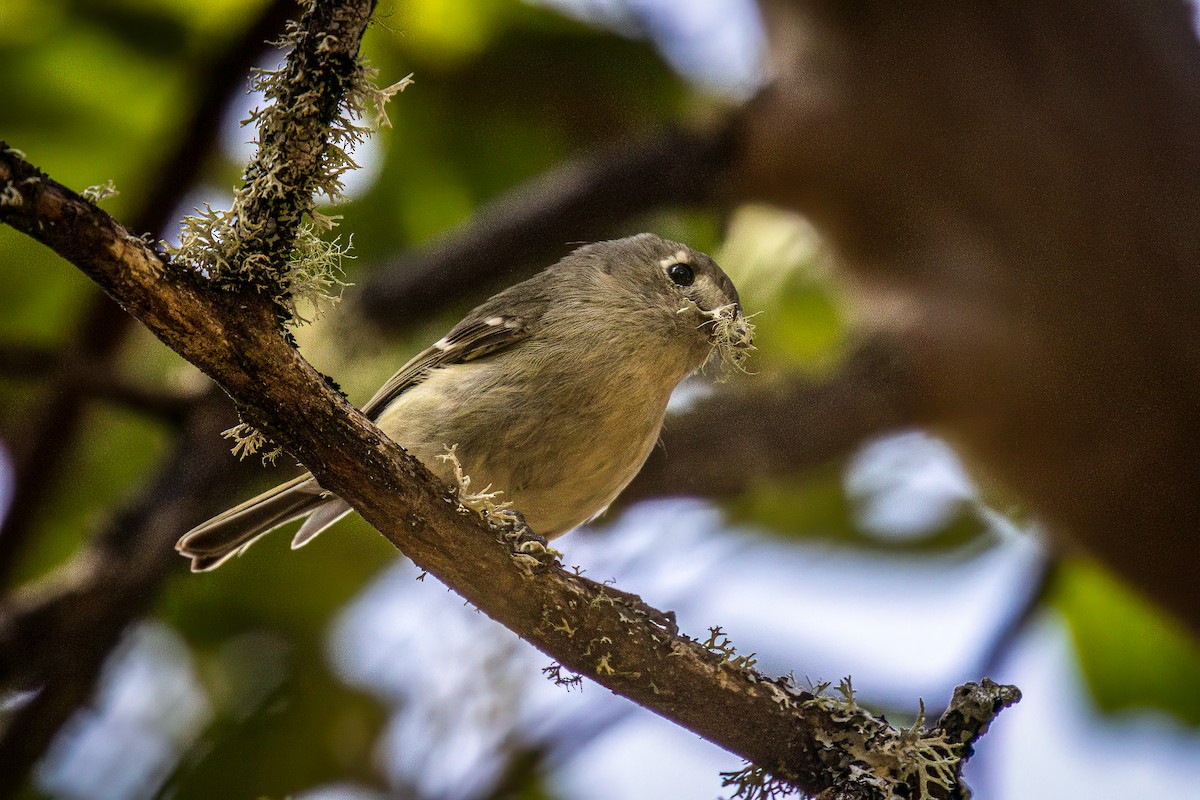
(552, 391)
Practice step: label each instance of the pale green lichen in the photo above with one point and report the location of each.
(11, 196)
(315, 280)
(268, 241)
(719, 644)
(873, 753)
(860, 748)
(249, 440)
(486, 502)
(564, 627)
(102, 191)
(527, 550)
(931, 759)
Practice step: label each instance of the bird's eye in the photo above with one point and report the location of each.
(681, 274)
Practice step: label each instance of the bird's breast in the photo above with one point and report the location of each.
(561, 440)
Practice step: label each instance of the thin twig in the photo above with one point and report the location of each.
(95, 382)
(21, 360)
(1041, 585)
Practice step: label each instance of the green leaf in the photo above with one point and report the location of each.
(1132, 655)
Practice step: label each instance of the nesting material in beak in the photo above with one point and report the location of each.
(732, 335)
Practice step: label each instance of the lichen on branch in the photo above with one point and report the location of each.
(865, 757)
(269, 242)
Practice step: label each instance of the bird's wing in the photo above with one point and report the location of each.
(477, 336)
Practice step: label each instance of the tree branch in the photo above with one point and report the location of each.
(812, 740)
(94, 381)
(297, 153)
(20, 360)
(794, 733)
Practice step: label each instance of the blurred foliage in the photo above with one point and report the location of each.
(1133, 655)
(287, 724)
(786, 282)
(815, 505)
(116, 453)
(97, 89)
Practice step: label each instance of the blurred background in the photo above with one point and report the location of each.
(333, 672)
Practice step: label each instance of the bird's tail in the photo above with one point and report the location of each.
(226, 535)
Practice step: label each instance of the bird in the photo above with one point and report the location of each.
(552, 391)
